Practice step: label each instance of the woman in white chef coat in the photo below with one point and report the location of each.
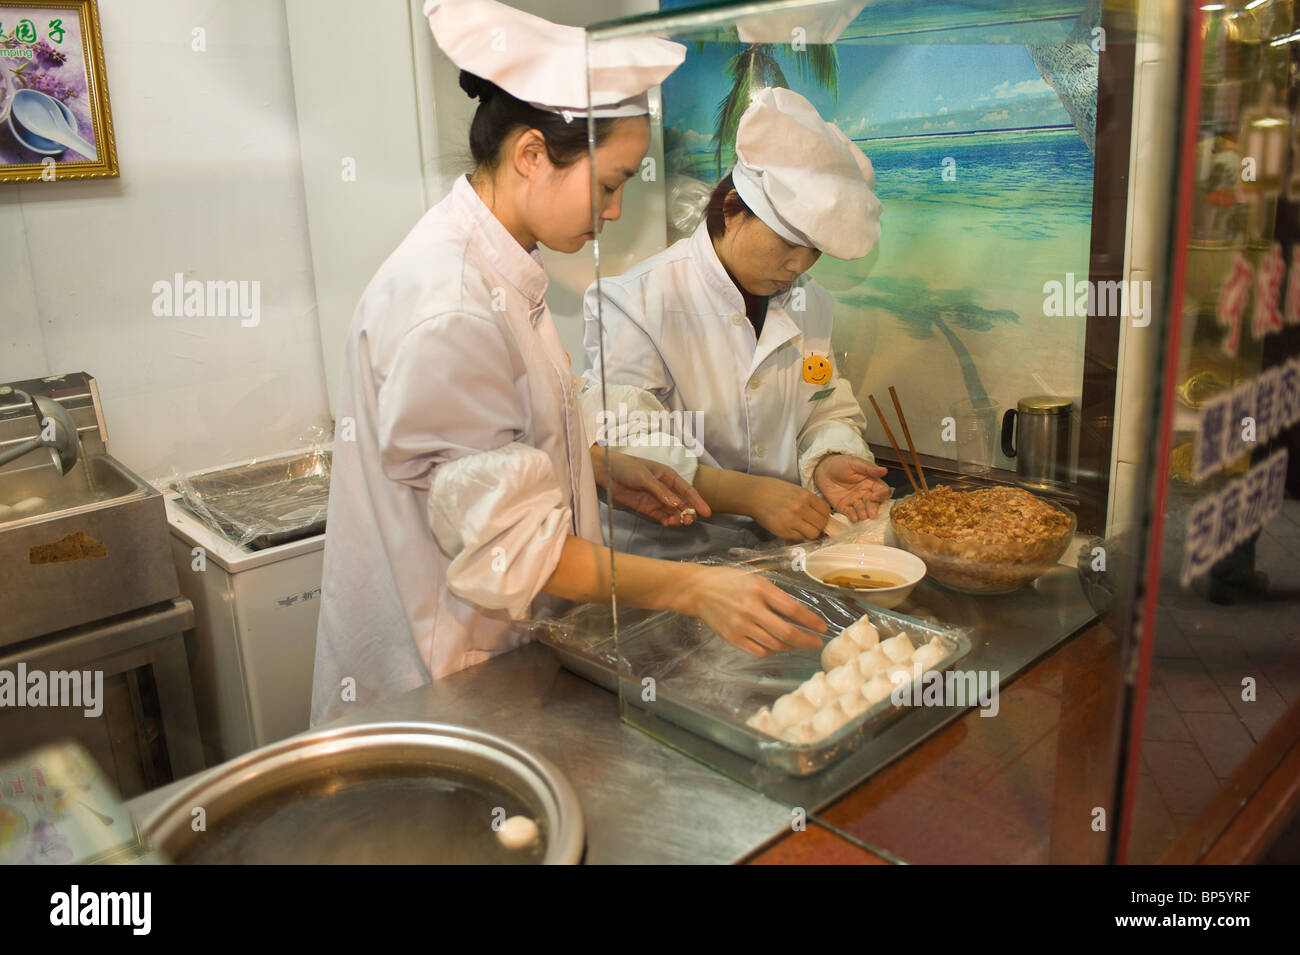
(462, 495)
(725, 326)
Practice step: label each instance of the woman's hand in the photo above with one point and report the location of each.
(786, 509)
(852, 485)
(651, 489)
(748, 611)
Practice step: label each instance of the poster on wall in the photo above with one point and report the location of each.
(981, 131)
(55, 122)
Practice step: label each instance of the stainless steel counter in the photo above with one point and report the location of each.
(645, 802)
(642, 801)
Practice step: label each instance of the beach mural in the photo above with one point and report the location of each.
(981, 136)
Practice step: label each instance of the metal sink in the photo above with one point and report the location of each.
(81, 546)
(93, 482)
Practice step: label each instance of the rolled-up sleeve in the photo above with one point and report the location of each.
(501, 517)
(836, 424)
(836, 428)
(451, 417)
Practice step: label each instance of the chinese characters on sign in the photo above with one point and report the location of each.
(25, 31)
(1267, 317)
(1247, 417)
(1222, 520)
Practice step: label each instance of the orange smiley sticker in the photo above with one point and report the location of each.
(817, 369)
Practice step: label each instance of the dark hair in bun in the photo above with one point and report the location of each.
(476, 86)
(499, 114)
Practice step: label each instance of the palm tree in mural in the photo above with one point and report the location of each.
(922, 311)
(755, 66)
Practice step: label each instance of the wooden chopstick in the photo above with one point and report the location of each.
(901, 460)
(916, 460)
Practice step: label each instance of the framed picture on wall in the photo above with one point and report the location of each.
(55, 122)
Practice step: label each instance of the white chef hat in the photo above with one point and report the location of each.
(545, 64)
(803, 177)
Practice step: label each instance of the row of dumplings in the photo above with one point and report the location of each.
(859, 670)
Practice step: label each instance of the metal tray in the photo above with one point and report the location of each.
(265, 503)
(709, 688)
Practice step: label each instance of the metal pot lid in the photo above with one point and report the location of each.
(1044, 404)
(374, 793)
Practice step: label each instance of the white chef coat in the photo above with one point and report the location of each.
(675, 326)
(460, 461)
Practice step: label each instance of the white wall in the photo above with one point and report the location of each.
(211, 186)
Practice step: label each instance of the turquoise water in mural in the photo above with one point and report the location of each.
(950, 303)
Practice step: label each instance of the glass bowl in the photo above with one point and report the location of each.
(984, 567)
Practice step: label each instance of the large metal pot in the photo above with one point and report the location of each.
(373, 793)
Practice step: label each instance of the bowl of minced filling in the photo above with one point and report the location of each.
(989, 541)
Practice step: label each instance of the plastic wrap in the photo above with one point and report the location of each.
(266, 501)
(709, 687)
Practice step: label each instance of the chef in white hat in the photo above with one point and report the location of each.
(462, 494)
(725, 325)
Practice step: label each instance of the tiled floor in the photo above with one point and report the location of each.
(1221, 676)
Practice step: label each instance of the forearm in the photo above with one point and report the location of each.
(583, 576)
(727, 492)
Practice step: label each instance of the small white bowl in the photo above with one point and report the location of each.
(855, 558)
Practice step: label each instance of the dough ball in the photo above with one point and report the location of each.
(877, 688)
(854, 704)
(518, 832)
(928, 657)
(5, 511)
(791, 709)
(839, 651)
(801, 733)
(828, 719)
(815, 691)
(900, 674)
(29, 505)
(844, 679)
(871, 662)
(897, 648)
(764, 723)
(863, 633)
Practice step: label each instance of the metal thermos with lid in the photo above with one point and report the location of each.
(1037, 434)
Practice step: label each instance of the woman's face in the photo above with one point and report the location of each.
(559, 199)
(761, 261)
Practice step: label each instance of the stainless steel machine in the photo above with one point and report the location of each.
(87, 584)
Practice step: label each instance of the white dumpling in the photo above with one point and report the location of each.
(518, 832)
(828, 719)
(815, 690)
(900, 674)
(764, 722)
(854, 704)
(863, 633)
(877, 688)
(791, 709)
(871, 662)
(927, 657)
(801, 733)
(838, 651)
(844, 679)
(897, 648)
